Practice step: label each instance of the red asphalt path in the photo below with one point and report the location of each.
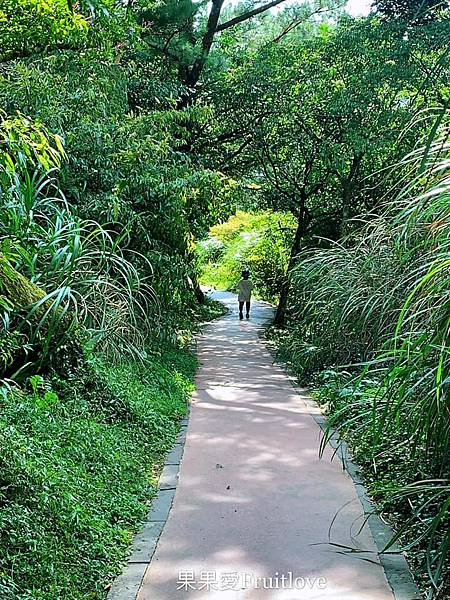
(254, 500)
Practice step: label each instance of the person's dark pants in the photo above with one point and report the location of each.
(241, 308)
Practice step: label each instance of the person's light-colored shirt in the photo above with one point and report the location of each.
(245, 290)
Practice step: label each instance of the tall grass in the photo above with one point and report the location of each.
(374, 312)
(87, 276)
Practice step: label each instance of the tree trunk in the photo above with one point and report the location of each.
(345, 213)
(192, 75)
(282, 304)
(21, 294)
(347, 192)
(195, 287)
(19, 291)
(198, 291)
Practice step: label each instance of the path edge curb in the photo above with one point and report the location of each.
(126, 586)
(394, 563)
(395, 566)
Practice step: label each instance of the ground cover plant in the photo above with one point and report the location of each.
(80, 461)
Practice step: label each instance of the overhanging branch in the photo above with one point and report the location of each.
(247, 15)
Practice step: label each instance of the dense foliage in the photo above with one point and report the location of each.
(128, 131)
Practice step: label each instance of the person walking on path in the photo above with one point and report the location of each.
(244, 287)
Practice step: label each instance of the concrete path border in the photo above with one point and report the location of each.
(394, 563)
(126, 585)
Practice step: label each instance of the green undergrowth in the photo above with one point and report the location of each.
(79, 465)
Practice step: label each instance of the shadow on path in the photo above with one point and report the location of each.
(253, 499)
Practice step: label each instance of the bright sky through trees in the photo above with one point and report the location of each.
(354, 7)
(359, 7)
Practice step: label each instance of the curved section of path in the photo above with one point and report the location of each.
(254, 503)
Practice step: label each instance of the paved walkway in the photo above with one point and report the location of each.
(253, 499)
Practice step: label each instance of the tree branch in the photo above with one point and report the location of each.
(302, 20)
(31, 52)
(165, 51)
(236, 152)
(247, 15)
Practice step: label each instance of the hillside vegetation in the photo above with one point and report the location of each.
(147, 146)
